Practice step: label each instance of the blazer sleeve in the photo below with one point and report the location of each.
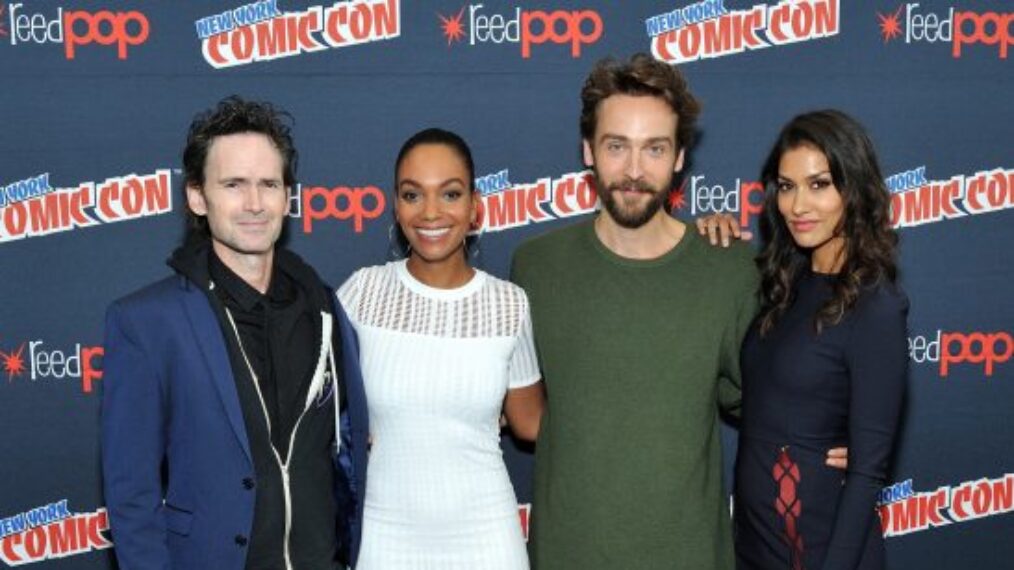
(877, 359)
(133, 445)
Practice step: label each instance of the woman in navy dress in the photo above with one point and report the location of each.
(825, 363)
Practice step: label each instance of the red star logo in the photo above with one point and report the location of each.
(890, 27)
(677, 197)
(452, 28)
(13, 363)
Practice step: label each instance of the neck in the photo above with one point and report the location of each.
(829, 258)
(449, 273)
(654, 239)
(254, 269)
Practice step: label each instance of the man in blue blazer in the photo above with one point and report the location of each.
(233, 418)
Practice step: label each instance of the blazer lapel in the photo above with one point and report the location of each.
(208, 335)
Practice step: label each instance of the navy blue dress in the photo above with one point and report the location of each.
(804, 393)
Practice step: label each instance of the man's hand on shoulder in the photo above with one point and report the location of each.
(722, 227)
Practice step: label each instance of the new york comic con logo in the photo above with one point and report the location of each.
(52, 531)
(40, 362)
(915, 199)
(708, 29)
(31, 207)
(74, 29)
(504, 205)
(918, 200)
(903, 510)
(527, 28)
(261, 31)
(962, 29)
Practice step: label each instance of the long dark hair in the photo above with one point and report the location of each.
(869, 250)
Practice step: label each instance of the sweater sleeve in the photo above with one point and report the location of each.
(730, 387)
(877, 362)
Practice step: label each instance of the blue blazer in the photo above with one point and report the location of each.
(175, 452)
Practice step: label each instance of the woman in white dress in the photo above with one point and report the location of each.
(444, 347)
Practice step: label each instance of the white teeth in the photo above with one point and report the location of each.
(432, 233)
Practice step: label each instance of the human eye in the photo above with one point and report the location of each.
(614, 146)
(453, 194)
(408, 195)
(656, 150)
(822, 183)
(784, 186)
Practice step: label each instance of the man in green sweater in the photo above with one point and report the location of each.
(638, 323)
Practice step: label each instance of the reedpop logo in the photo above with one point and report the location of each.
(958, 27)
(76, 28)
(525, 27)
(40, 362)
(947, 349)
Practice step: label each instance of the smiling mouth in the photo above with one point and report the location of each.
(432, 233)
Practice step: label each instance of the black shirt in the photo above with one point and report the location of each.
(278, 335)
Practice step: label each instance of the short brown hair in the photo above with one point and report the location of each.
(642, 75)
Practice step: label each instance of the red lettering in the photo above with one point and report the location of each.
(115, 30)
(573, 30)
(7, 550)
(89, 371)
(978, 34)
(63, 536)
(992, 348)
(748, 208)
(15, 219)
(356, 205)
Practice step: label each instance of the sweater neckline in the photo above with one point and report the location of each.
(609, 255)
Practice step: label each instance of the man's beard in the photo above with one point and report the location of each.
(630, 218)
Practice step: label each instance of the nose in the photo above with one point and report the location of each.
(431, 208)
(633, 169)
(800, 201)
(253, 200)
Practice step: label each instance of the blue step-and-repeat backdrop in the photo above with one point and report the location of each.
(97, 96)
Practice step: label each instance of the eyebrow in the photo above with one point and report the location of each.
(443, 184)
(810, 177)
(652, 140)
(245, 179)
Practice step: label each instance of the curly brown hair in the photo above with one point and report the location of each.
(641, 75)
(870, 243)
(235, 115)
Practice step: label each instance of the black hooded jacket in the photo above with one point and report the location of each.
(277, 337)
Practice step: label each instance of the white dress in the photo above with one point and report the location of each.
(436, 364)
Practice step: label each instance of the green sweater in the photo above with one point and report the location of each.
(637, 356)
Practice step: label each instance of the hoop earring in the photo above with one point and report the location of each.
(394, 246)
(473, 251)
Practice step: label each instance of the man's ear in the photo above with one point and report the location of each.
(679, 161)
(589, 156)
(195, 200)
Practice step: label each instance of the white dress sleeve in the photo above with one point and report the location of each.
(348, 295)
(523, 366)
